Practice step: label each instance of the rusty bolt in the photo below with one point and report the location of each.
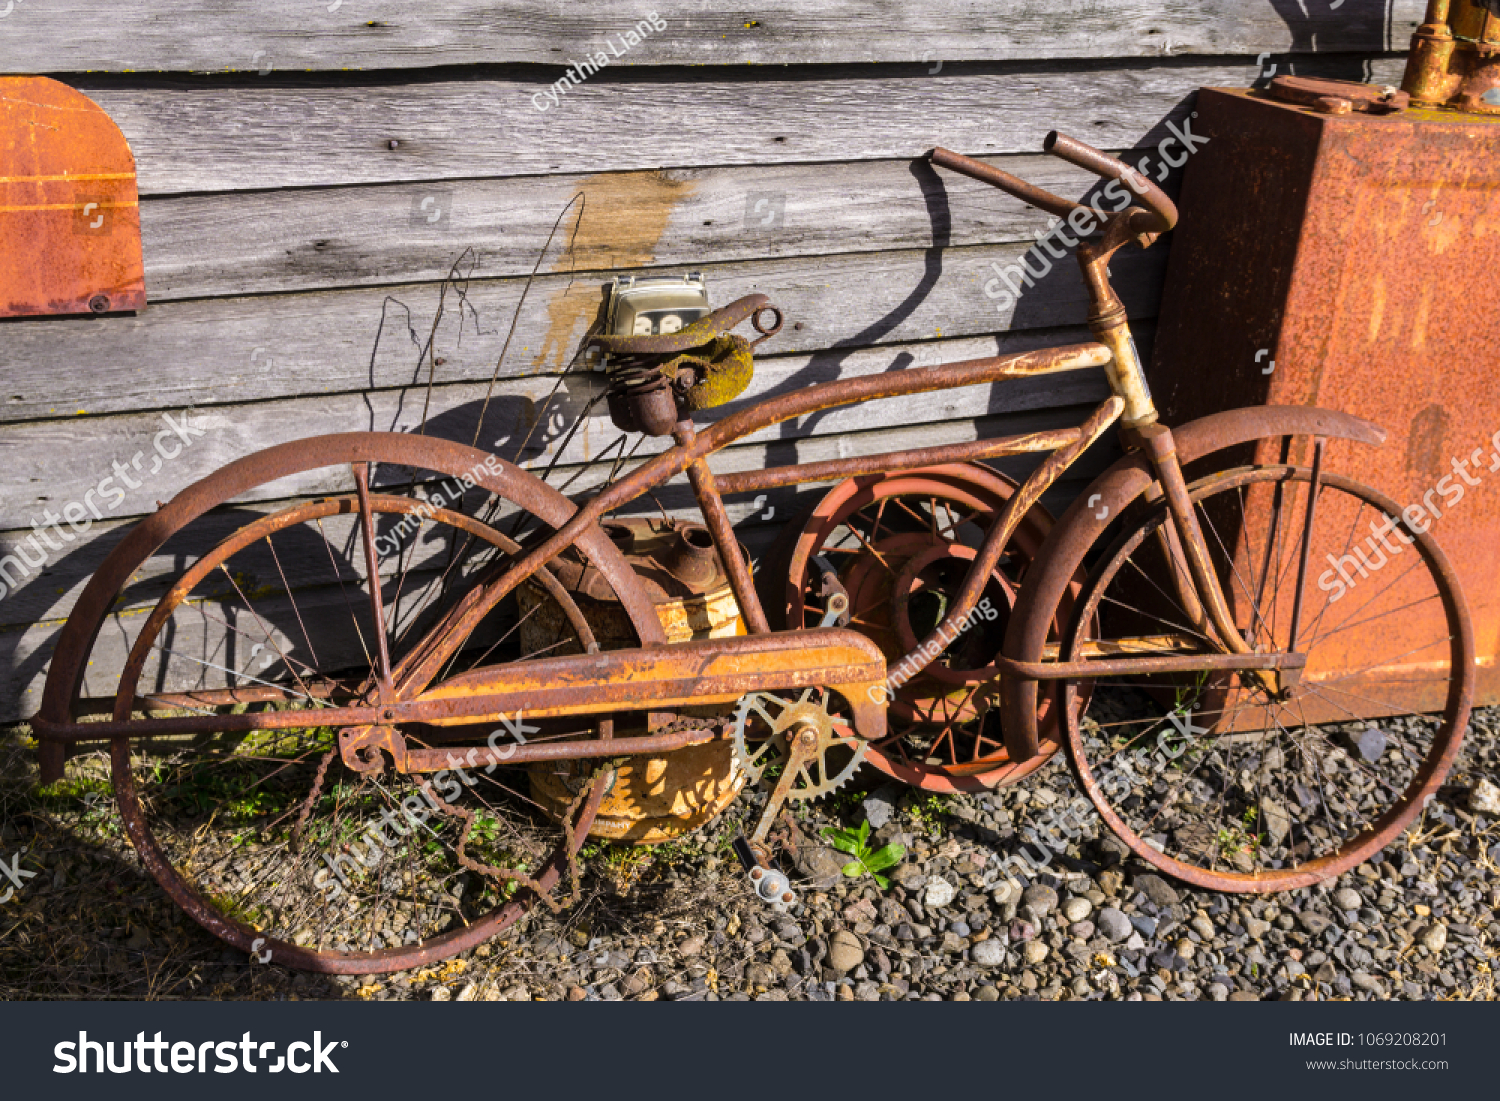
(756, 873)
(390, 716)
(99, 304)
(788, 897)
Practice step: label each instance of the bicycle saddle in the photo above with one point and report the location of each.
(655, 380)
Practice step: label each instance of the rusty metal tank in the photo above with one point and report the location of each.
(1340, 247)
(651, 799)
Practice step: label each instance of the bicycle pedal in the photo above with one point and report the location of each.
(770, 886)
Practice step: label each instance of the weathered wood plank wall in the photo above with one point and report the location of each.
(291, 156)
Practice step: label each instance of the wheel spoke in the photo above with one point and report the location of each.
(1264, 792)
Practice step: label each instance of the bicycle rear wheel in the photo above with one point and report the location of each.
(1226, 781)
(267, 838)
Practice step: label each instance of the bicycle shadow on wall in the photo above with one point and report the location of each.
(1050, 309)
(1050, 303)
(1326, 33)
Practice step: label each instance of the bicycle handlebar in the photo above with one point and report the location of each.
(986, 173)
(1102, 164)
(1162, 214)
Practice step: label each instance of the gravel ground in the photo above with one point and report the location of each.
(679, 922)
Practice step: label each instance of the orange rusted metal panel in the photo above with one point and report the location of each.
(70, 224)
(1341, 258)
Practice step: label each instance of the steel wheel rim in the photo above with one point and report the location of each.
(427, 455)
(981, 490)
(1428, 777)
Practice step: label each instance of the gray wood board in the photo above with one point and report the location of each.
(236, 243)
(383, 34)
(218, 135)
(236, 350)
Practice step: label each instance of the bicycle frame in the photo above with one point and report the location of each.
(1131, 402)
(655, 678)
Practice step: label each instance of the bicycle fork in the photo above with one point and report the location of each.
(1197, 584)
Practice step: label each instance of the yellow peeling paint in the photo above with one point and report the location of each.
(1377, 307)
(624, 217)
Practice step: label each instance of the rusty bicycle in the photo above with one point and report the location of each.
(320, 726)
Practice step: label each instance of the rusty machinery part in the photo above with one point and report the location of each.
(291, 582)
(651, 798)
(655, 381)
(1455, 57)
(1261, 781)
(69, 210)
(1338, 97)
(765, 724)
(885, 554)
(677, 564)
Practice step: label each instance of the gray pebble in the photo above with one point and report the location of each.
(1076, 909)
(1113, 924)
(1313, 921)
(1346, 899)
(1155, 888)
(880, 805)
(988, 953)
(1040, 899)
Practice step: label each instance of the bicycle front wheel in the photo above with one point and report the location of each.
(1240, 781)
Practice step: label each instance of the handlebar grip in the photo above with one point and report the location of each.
(985, 173)
(1102, 164)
